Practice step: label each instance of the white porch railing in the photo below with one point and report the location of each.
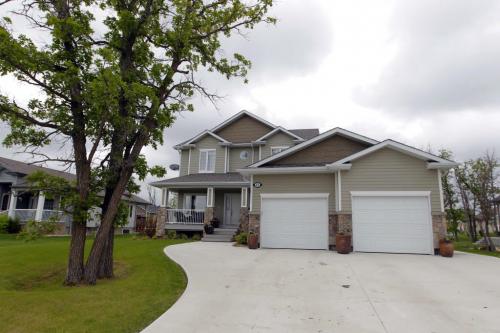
(25, 215)
(185, 216)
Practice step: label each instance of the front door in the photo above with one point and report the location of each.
(231, 209)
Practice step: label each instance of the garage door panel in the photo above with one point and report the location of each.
(294, 223)
(392, 224)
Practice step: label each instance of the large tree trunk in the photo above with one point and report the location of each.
(74, 272)
(106, 269)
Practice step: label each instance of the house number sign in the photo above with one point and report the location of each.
(257, 184)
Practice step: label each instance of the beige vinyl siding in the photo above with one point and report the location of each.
(208, 142)
(235, 162)
(245, 129)
(389, 170)
(327, 151)
(294, 183)
(277, 140)
(183, 169)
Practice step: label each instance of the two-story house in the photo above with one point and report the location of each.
(298, 188)
(209, 184)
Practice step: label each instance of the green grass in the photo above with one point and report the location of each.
(464, 244)
(33, 299)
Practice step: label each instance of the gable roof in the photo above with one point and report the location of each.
(434, 162)
(199, 136)
(316, 139)
(28, 169)
(306, 133)
(280, 129)
(237, 116)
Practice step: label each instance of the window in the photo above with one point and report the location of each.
(207, 160)
(131, 210)
(48, 204)
(195, 201)
(244, 155)
(275, 150)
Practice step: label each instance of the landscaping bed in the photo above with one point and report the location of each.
(33, 299)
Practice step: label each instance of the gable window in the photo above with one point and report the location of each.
(207, 160)
(276, 150)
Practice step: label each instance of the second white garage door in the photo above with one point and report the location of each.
(392, 222)
(294, 221)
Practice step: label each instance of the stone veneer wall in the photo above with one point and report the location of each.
(254, 223)
(243, 226)
(209, 215)
(161, 220)
(438, 228)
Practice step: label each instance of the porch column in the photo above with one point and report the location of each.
(165, 193)
(12, 204)
(39, 206)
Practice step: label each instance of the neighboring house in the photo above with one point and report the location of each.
(19, 201)
(297, 189)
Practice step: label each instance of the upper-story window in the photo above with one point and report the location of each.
(275, 150)
(207, 160)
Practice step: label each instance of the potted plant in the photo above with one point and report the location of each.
(446, 248)
(215, 222)
(209, 229)
(343, 243)
(253, 240)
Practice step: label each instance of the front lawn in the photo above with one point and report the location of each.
(464, 244)
(33, 299)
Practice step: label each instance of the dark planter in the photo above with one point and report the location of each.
(253, 241)
(209, 229)
(343, 243)
(215, 222)
(446, 248)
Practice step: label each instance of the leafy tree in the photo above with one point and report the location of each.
(454, 214)
(113, 92)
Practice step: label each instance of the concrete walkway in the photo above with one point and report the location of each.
(233, 289)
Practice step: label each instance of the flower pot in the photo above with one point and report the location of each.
(209, 229)
(446, 248)
(253, 241)
(343, 243)
(215, 222)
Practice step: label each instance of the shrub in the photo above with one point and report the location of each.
(183, 236)
(241, 238)
(171, 234)
(9, 225)
(14, 226)
(4, 224)
(196, 237)
(34, 230)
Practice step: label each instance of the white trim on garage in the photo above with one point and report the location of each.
(305, 214)
(425, 194)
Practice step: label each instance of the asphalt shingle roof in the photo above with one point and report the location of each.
(231, 177)
(306, 133)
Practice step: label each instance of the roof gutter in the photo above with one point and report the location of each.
(441, 165)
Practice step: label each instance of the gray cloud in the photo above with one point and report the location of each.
(447, 59)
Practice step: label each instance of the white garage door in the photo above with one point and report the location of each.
(294, 221)
(392, 222)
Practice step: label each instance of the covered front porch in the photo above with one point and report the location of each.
(187, 206)
(26, 205)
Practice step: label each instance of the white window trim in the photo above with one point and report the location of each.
(282, 148)
(226, 160)
(189, 162)
(199, 160)
(244, 197)
(251, 193)
(210, 196)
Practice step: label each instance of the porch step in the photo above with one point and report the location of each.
(220, 235)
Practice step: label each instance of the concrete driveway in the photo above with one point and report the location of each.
(233, 289)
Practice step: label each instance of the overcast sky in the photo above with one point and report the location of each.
(426, 73)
